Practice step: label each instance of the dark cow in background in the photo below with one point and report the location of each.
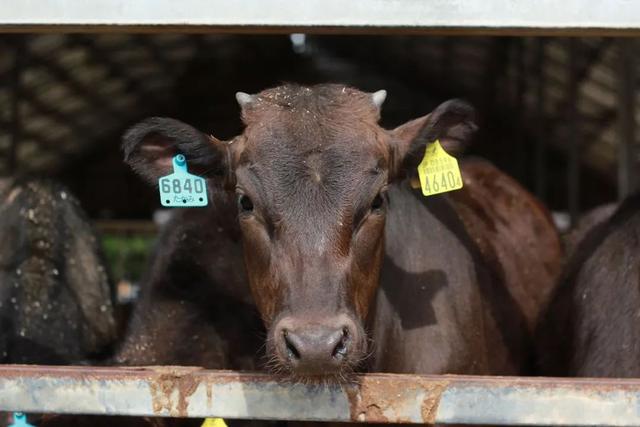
(195, 306)
(56, 301)
(586, 223)
(343, 258)
(592, 325)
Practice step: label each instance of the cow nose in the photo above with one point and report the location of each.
(315, 349)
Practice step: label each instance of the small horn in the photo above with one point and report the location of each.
(379, 97)
(244, 99)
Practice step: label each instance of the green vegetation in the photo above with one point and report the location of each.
(127, 255)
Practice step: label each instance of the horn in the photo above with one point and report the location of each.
(244, 99)
(379, 97)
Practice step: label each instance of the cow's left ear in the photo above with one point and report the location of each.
(453, 123)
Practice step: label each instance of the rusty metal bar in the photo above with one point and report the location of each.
(194, 392)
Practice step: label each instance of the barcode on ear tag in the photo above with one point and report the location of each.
(182, 189)
(438, 172)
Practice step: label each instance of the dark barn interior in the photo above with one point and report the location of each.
(548, 106)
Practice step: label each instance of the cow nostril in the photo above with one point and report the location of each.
(340, 350)
(292, 351)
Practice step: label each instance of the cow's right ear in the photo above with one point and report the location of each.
(150, 145)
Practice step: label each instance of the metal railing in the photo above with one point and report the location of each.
(195, 392)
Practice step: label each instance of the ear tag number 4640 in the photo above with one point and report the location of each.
(438, 171)
(182, 189)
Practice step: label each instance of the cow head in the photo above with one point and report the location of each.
(310, 175)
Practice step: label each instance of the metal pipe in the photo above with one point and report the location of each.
(194, 392)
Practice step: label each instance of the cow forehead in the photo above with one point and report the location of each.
(317, 154)
(288, 136)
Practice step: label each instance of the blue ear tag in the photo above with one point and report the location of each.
(20, 420)
(182, 189)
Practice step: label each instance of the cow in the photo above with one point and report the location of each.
(348, 266)
(590, 327)
(195, 305)
(514, 232)
(56, 299)
(587, 222)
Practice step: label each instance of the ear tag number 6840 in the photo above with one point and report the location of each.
(182, 189)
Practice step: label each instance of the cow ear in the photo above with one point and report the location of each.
(150, 145)
(453, 123)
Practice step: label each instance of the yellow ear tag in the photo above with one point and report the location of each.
(438, 171)
(214, 422)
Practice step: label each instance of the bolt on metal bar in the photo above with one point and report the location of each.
(194, 392)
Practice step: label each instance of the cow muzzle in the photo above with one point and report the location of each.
(326, 348)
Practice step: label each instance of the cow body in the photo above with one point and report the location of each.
(56, 301)
(587, 222)
(195, 305)
(591, 325)
(514, 232)
(338, 249)
(440, 308)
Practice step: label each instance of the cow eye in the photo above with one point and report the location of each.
(377, 202)
(244, 203)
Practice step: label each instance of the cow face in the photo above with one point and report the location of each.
(310, 174)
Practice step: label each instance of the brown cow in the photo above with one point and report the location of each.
(514, 232)
(591, 325)
(336, 243)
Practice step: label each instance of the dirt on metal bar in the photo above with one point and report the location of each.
(380, 398)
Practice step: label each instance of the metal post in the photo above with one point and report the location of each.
(540, 166)
(16, 124)
(626, 118)
(573, 171)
